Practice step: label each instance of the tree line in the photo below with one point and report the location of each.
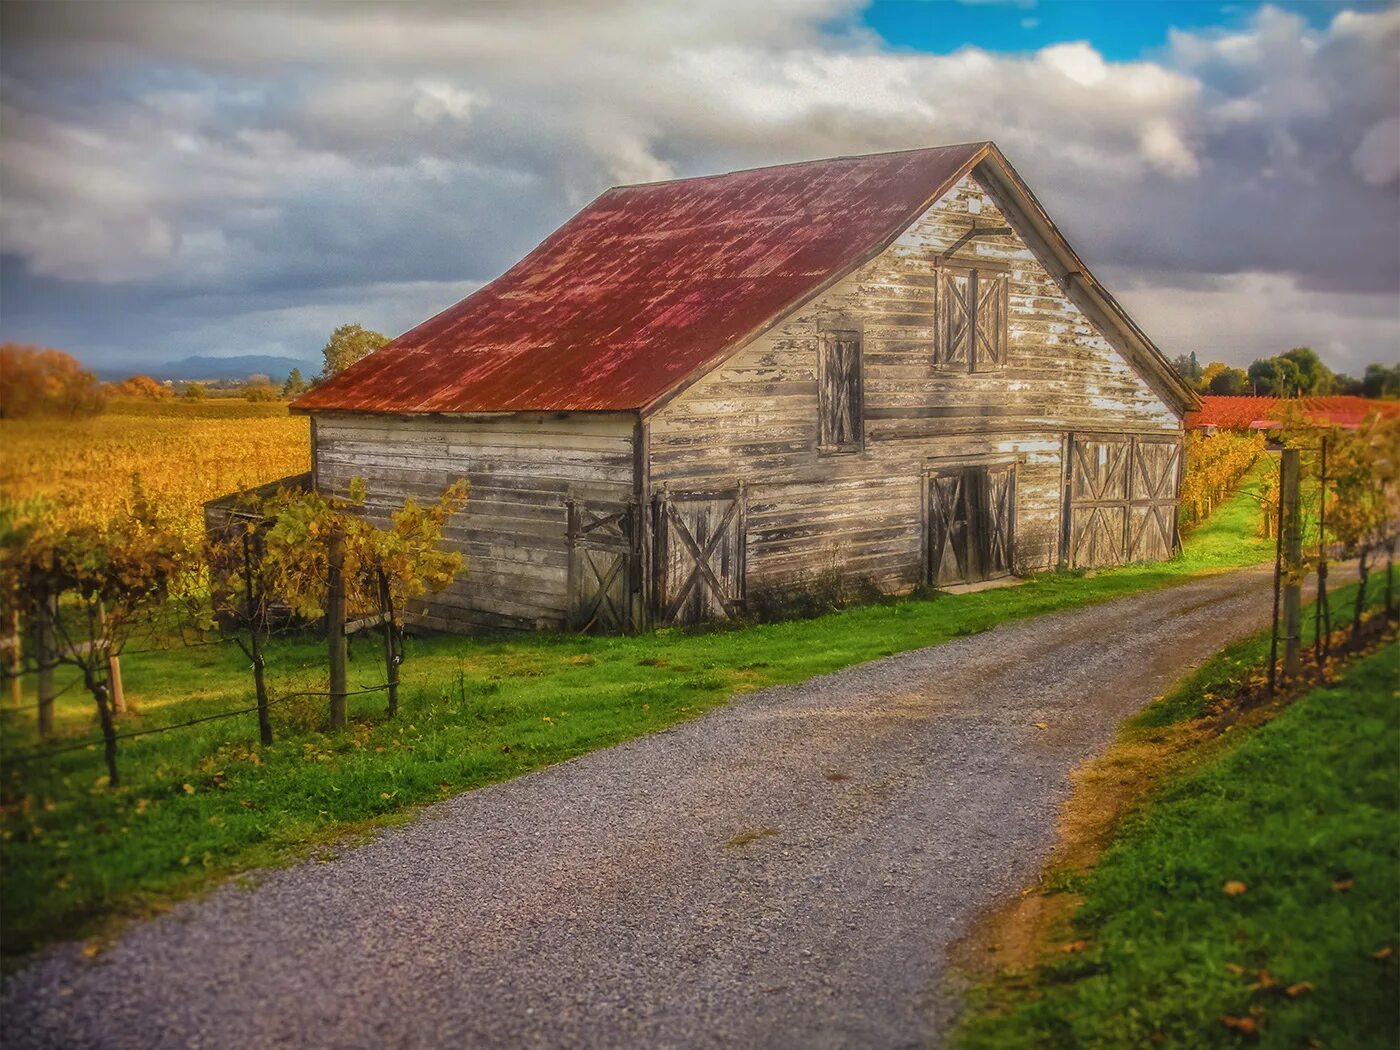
(41, 381)
(1295, 373)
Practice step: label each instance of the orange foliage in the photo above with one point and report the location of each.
(38, 381)
(141, 386)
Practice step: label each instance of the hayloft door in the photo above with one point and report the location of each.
(698, 556)
(970, 523)
(603, 558)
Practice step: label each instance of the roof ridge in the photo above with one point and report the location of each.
(798, 164)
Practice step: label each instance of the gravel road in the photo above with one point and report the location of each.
(608, 902)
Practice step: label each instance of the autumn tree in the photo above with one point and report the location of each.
(259, 392)
(141, 386)
(196, 392)
(35, 382)
(348, 344)
(1364, 504)
(90, 587)
(310, 540)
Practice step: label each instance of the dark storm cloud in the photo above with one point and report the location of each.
(180, 178)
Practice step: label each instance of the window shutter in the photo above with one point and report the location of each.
(953, 319)
(989, 350)
(839, 394)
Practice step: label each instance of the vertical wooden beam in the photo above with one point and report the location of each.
(335, 628)
(16, 661)
(44, 657)
(114, 668)
(1291, 513)
(255, 645)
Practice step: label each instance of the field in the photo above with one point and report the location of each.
(203, 802)
(1249, 899)
(186, 452)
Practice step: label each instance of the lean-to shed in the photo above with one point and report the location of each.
(887, 369)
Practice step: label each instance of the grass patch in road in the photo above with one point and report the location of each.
(1251, 896)
(206, 802)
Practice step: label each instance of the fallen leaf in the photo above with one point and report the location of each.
(1042, 725)
(1342, 885)
(1295, 990)
(1234, 887)
(1265, 981)
(189, 789)
(246, 803)
(1384, 953)
(1075, 946)
(89, 950)
(1235, 968)
(1244, 1025)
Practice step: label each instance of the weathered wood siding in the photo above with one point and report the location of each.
(522, 470)
(755, 419)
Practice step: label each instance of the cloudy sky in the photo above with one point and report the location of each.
(224, 179)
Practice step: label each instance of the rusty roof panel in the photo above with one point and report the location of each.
(647, 285)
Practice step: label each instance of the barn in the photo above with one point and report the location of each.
(888, 369)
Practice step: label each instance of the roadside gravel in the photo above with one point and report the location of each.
(786, 871)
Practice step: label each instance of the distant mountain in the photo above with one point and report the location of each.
(203, 367)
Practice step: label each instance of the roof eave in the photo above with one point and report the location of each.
(1069, 271)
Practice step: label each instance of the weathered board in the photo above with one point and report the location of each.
(514, 531)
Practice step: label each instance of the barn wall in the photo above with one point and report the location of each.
(755, 418)
(522, 469)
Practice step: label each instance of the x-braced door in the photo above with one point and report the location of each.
(1122, 498)
(603, 559)
(970, 515)
(698, 556)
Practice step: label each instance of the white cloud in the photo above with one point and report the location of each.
(1377, 159)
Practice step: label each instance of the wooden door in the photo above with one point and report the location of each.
(1152, 499)
(1122, 499)
(970, 516)
(603, 558)
(698, 556)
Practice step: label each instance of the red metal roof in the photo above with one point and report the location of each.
(647, 286)
(1261, 413)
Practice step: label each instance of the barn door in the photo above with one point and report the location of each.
(1152, 499)
(602, 567)
(970, 519)
(1122, 499)
(698, 556)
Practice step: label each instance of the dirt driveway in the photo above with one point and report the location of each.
(786, 871)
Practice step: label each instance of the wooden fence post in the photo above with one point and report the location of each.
(391, 646)
(114, 669)
(1293, 563)
(16, 661)
(44, 657)
(1322, 619)
(255, 646)
(335, 627)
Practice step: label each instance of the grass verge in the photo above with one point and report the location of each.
(1249, 897)
(205, 802)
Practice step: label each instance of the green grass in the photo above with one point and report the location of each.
(206, 802)
(1305, 812)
